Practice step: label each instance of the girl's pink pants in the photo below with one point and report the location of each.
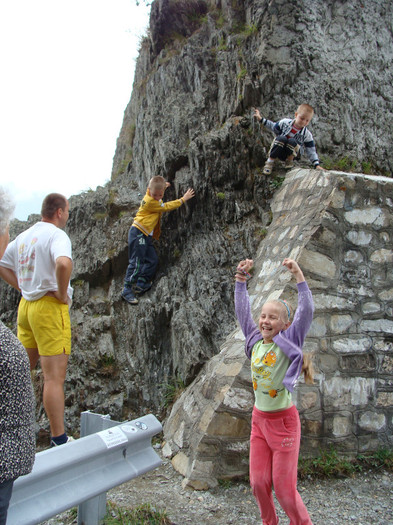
(274, 452)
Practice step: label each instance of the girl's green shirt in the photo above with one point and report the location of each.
(269, 365)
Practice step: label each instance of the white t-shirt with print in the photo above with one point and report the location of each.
(32, 256)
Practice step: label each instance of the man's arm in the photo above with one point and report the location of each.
(63, 273)
(9, 276)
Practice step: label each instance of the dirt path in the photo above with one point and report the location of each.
(363, 500)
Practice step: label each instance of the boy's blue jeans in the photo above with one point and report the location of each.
(142, 258)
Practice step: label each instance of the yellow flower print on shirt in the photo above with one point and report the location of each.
(273, 393)
(270, 358)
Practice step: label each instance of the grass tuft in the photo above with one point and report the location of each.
(330, 465)
(276, 182)
(143, 514)
(172, 390)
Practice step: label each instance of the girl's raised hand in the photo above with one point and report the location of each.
(294, 268)
(246, 264)
(243, 269)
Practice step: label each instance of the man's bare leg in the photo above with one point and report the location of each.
(33, 357)
(54, 368)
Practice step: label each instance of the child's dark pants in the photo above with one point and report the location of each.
(142, 258)
(283, 147)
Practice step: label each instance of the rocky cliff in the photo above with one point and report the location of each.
(201, 69)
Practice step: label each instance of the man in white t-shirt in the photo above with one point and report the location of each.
(38, 263)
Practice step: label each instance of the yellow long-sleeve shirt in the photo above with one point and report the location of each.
(148, 217)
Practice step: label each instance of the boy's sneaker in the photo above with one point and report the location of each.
(142, 287)
(268, 168)
(129, 296)
(289, 164)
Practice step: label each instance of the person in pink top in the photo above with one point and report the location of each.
(274, 347)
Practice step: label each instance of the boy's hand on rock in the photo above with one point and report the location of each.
(257, 114)
(190, 193)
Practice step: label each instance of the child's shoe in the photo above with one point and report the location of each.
(289, 164)
(141, 288)
(129, 296)
(268, 168)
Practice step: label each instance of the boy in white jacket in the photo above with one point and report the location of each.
(292, 138)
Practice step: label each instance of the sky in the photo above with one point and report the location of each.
(67, 68)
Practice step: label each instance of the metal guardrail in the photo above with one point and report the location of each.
(65, 476)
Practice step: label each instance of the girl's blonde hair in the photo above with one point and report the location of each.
(285, 308)
(287, 315)
(308, 369)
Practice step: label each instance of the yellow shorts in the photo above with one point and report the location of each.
(45, 324)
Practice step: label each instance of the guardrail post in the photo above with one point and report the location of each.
(92, 511)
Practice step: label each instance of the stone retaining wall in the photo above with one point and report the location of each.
(339, 227)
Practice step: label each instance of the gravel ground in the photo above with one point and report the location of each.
(366, 499)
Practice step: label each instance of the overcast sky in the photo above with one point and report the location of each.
(67, 68)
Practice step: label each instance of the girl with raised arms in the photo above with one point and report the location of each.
(277, 360)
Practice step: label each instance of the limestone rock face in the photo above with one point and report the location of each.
(200, 71)
(174, 20)
(273, 55)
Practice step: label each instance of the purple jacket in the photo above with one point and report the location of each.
(290, 340)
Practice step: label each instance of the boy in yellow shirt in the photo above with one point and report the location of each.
(142, 256)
